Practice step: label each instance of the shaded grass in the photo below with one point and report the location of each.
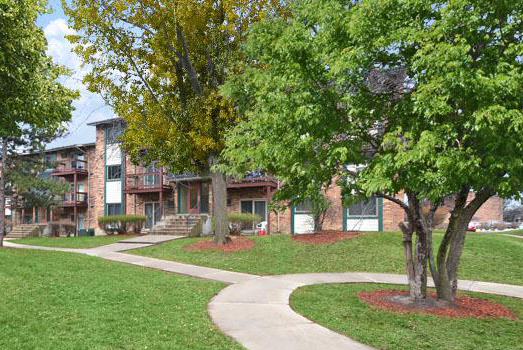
(80, 242)
(59, 301)
(493, 258)
(337, 307)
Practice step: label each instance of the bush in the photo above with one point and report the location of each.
(119, 223)
(236, 220)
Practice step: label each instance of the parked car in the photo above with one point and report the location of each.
(473, 226)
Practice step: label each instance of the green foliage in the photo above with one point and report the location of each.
(243, 218)
(120, 223)
(160, 68)
(425, 94)
(31, 98)
(30, 182)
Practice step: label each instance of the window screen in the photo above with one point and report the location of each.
(304, 207)
(364, 208)
(114, 172)
(114, 209)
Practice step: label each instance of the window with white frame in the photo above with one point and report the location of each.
(304, 207)
(364, 208)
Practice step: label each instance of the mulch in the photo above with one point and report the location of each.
(234, 245)
(325, 237)
(465, 306)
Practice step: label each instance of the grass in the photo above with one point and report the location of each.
(81, 242)
(337, 307)
(494, 258)
(57, 301)
(514, 232)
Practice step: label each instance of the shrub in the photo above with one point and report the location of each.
(236, 220)
(119, 223)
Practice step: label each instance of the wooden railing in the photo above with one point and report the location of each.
(144, 181)
(72, 198)
(71, 166)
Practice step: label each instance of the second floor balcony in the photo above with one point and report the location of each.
(145, 182)
(71, 167)
(71, 199)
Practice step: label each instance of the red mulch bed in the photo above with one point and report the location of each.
(234, 245)
(325, 237)
(465, 306)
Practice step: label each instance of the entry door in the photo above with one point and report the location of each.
(81, 221)
(193, 202)
(257, 207)
(152, 214)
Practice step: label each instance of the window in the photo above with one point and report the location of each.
(151, 179)
(304, 207)
(114, 172)
(50, 159)
(204, 197)
(114, 209)
(114, 132)
(364, 208)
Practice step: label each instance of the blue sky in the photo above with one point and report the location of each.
(89, 107)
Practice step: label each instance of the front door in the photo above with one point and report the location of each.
(152, 214)
(81, 221)
(193, 204)
(256, 207)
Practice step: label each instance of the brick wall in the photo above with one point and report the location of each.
(393, 214)
(98, 179)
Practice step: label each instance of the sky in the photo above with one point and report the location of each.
(89, 107)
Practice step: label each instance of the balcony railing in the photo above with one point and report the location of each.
(72, 166)
(254, 181)
(74, 198)
(144, 182)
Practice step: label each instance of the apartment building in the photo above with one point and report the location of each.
(73, 210)
(105, 182)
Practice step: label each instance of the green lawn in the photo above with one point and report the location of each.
(493, 258)
(514, 232)
(57, 301)
(337, 307)
(83, 242)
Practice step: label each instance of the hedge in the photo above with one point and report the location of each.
(119, 223)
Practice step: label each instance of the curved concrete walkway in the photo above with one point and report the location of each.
(255, 310)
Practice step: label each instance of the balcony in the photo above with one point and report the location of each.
(72, 199)
(253, 181)
(71, 167)
(145, 182)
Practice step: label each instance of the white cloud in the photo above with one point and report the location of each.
(89, 107)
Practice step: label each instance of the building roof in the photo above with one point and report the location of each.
(80, 145)
(106, 121)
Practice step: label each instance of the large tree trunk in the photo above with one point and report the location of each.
(3, 155)
(219, 189)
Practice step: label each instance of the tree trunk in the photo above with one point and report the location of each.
(420, 265)
(417, 283)
(457, 244)
(219, 188)
(3, 154)
(451, 247)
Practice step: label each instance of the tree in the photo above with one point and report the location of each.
(159, 64)
(33, 105)
(424, 95)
